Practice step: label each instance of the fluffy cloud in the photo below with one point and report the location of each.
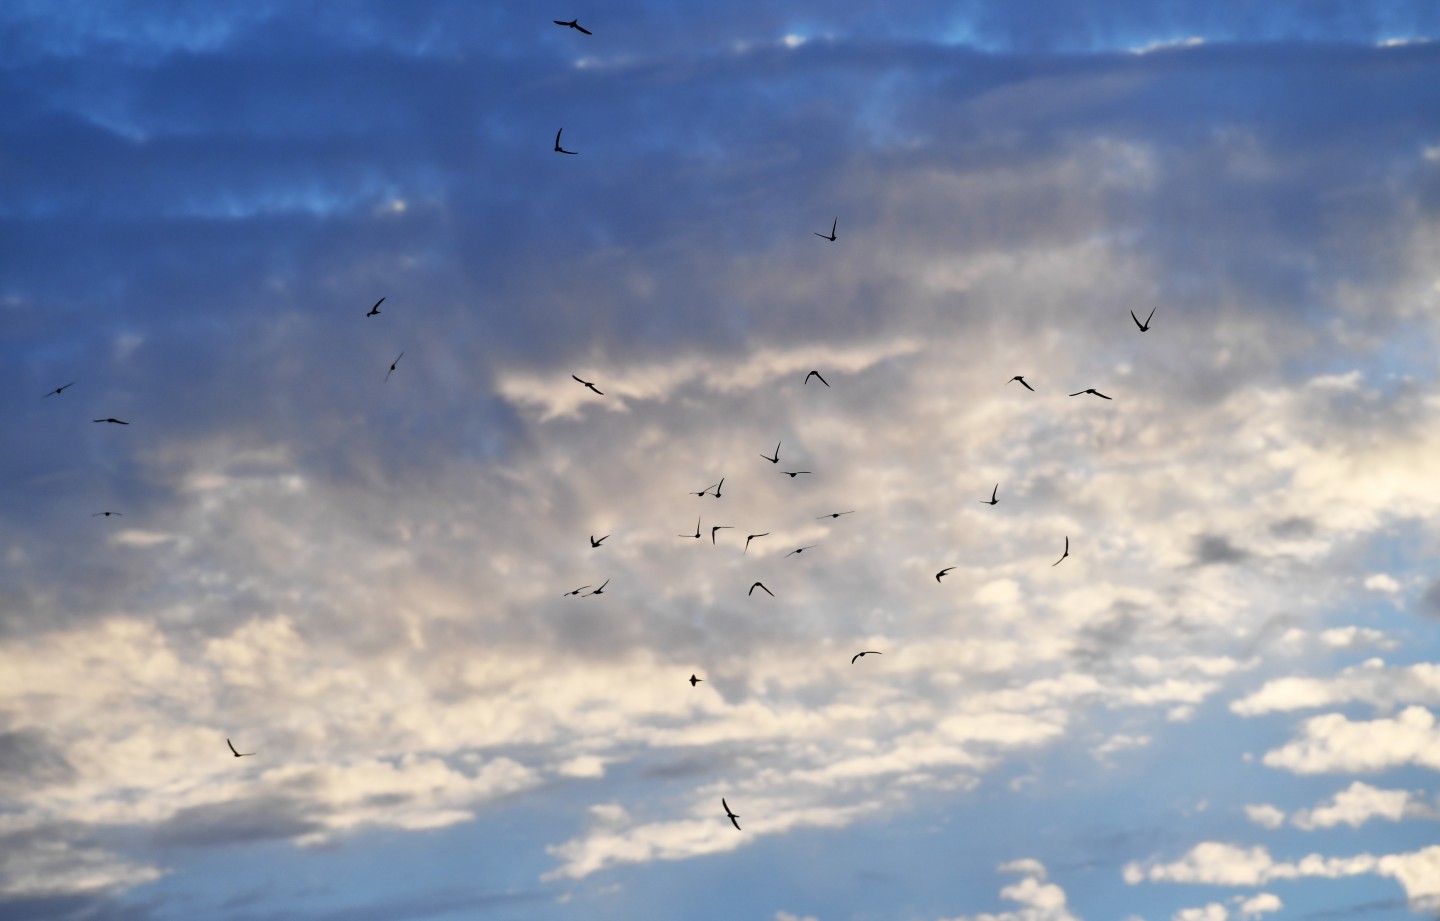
(1265, 815)
(1371, 682)
(1335, 744)
(1359, 803)
(1262, 903)
(1038, 900)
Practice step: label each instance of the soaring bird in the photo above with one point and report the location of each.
(942, 572)
(751, 537)
(865, 653)
(816, 374)
(792, 474)
(1021, 379)
(717, 528)
(761, 586)
(776, 458)
(1090, 390)
(392, 366)
(600, 589)
(730, 815)
(574, 24)
(590, 385)
(835, 514)
(112, 421)
(107, 514)
(717, 487)
(1065, 554)
(992, 500)
(1143, 326)
(375, 311)
(558, 148)
(696, 535)
(58, 390)
(705, 491)
(831, 238)
(234, 752)
(595, 543)
(577, 591)
(801, 550)
(694, 681)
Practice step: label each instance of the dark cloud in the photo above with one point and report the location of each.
(1211, 549)
(28, 759)
(1293, 528)
(236, 822)
(1429, 600)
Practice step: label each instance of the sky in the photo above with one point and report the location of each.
(1221, 705)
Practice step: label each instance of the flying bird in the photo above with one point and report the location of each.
(792, 474)
(1065, 554)
(760, 585)
(600, 589)
(590, 385)
(558, 148)
(696, 535)
(801, 550)
(107, 514)
(705, 491)
(1143, 326)
(574, 24)
(831, 238)
(717, 528)
(730, 815)
(751, 537)
(392, 366)
(58, 390)
(717, 487)
(112, 421)
(835, 514)
(942, 572)
(865, 653)
(595, 543)
(992, 500)
(1091, 390)
(234, 752)
(694, 681)
(577, 591)
(816, 374)
(776, 458)
(1021, 379)
(375, 311)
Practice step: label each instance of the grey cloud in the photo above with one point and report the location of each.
(237, 821)
(29, 759)
(1429, 601)
(1212, 549)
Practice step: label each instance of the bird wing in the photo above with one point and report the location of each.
(557, 139)
(1152, 313)
(856, 656)
(578, 379)
(232, 747)
(583, 29)
(1100, 395)
(1136, 319)
(559, 23)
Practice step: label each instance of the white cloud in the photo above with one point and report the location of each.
(1265, 815)
(1359, 803)
(1371, 682)
(1352, 636)
(1332, 743)
(1382, 582)
(786, 916)
(1038, 900)
(1212, 912)
(1260, 904)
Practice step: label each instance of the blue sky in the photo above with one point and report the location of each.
(1222, 705)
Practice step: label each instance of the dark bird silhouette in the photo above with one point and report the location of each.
(107, 514)
(112, 421)
(705, 491)
(590, 385)
(867, 652)
(717, 528)
(1143, 326)
(831, 238)
(558, 148)
(600, 589)
(1091, 390)
(801, 550)
(730, 815)
(574, 24)
(776, 458)
(992, 500)
(694, 681)
(792, 474)
(1021, 379)
(696, 535)
(761, 586)
(1065, 554)
(577, 591)
(392, 366)
(717, 487)
(235, 753)
(375, 311)
(816, 374)
(835, 514)
(58, 390)
(750, 538)
(595, 543)
(942, 572)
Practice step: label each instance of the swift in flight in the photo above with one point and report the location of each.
(831, 238)
(558, 148)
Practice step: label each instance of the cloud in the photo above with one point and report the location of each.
(1265, 815)
(1260, 904)
(1372, 682)
(1212, 912)
(1359, 803)
(1038, 900)
(1334, 744)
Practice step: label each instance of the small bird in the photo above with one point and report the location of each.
(112, 421)
(600, 589)
(1143, 326)
(58, 390)
(574, 24)
(392, 366)
(992, 500)
(831, 238)
(558, 148)
(696, 535)
(717, 528)
(694, 681)
(234, 752)
(835, 514)
(595, 543)
(590, 385)
(801, 550)
(375, 311)
(107, 514)
(717, 487)
(816, 374)
(865, 653)
(792, 474)
(751, 537)
(704, 491)
(760, 585)
(730, 815)
(776, 458)
(942, 572)
(1065, 554)
(1091, 390)
(577, 591)
(1021, 379)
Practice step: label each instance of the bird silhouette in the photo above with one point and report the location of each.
(1065, 554)
(730, 815)
(942, 572)
(58, 390)
(590, 385)
(112, 421)
(867, 652)
(831, 238)
(761, 586)
(558, 148)
(577, 591)
(1143, 326)
(835, 514)
(392, 366)
(1090, 390)
(107, 514)
(1021, 379)
(595, 543)
(751, 537)
(574, 24)
(235, 753)
(375, 311)
(792, 474)
(694, 681)
(992, 500)
(801, 550)
(600, 589)
(816, 374)
(717, 528)
(704, 491)
(696, 535)
(776, 458)
(717, 487)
